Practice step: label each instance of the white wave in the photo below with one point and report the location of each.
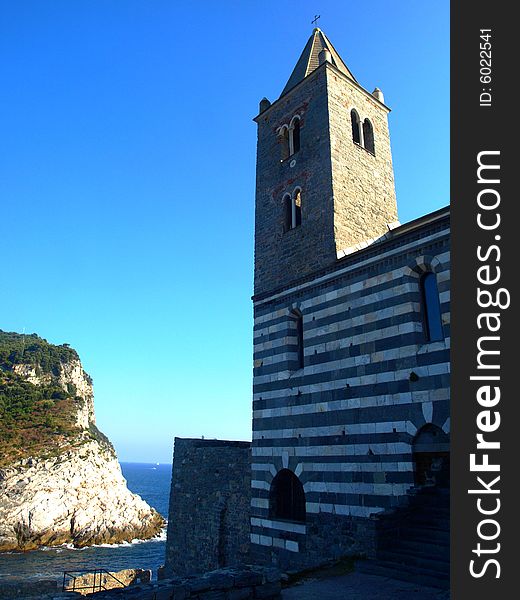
(158, 538)
(59, 548)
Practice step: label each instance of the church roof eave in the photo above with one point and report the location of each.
(354, 82)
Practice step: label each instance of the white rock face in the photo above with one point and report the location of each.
(79, 496)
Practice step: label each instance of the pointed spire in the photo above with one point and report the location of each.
(309, 59)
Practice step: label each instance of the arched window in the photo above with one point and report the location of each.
(287, 212)
(368, 136)
(287, 497)
(297, 318)
(297, 207)
(431, 456)
(292, 206)
(356, 126)
(431, 307)
(294, 140)
(284, 142)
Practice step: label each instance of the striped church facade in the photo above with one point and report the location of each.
(344, 416)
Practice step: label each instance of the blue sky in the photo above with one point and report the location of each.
(127, 176)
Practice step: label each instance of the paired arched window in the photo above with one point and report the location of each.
(292, 209)
(289, 137)
(431, 307)
(362, 133)
(287, 497)
(297, 318)
(356, 126)
(368, 136)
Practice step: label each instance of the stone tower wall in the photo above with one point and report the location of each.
(208, 521)
(363, 184)
(348, 194)
(281, 257)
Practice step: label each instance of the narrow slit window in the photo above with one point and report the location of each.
(431, 308)
(298, 325)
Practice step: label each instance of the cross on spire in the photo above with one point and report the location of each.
(315, 20)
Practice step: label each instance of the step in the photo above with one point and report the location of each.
(419, 548)
(437, 512)
(424, 577)
(420, 532)
(430, 499)
(430, 491)
(425, 534)
(415, 506)
(396, 556)
(428, 504)
(426, 522)
(433, 509)
(415, 519)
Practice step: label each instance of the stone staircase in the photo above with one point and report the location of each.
(414, 542)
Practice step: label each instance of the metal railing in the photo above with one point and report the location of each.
(98, 584)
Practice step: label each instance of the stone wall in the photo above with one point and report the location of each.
(363, 183)
(23, 589)
(246, 583)
(324, 538)
(208, 524)
(282, 256)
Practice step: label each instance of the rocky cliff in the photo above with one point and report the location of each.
(60, 481)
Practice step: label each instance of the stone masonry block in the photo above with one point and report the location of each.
(243, 593)
(268, 590)
(213, 595)
(164, 594)
(248, 578)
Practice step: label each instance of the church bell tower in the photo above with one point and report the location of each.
(324, 175)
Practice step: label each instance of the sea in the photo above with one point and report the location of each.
(152, 483)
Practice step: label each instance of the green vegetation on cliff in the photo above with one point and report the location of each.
(21, 349)
(35, 420)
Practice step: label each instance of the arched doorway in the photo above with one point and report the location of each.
(431, 457)
(287, 497)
